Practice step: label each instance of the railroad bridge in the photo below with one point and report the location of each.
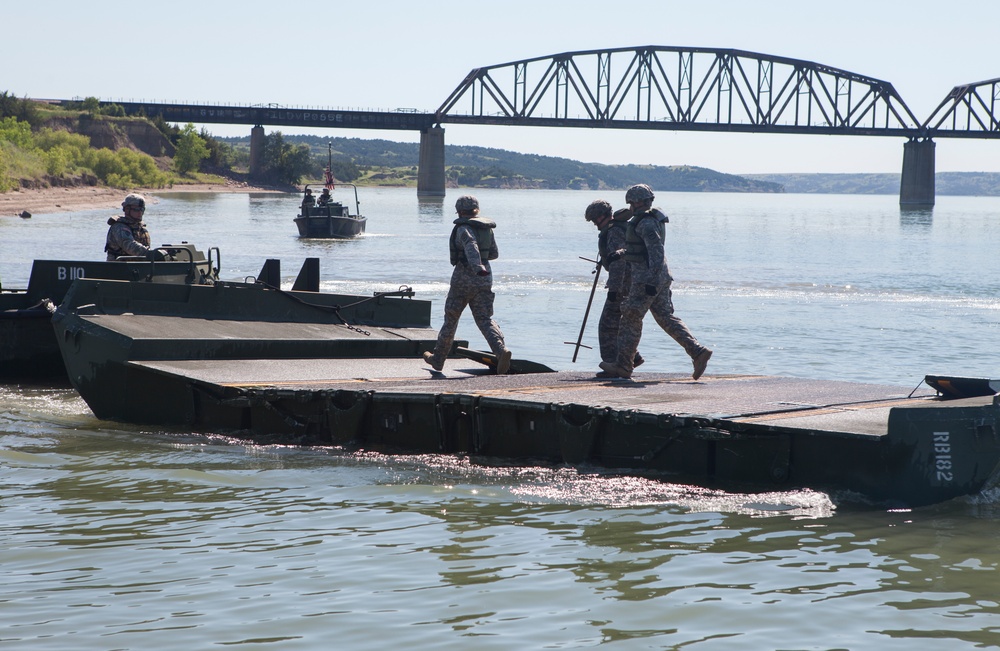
(651, 87)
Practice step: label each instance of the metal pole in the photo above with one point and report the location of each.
(583, 326)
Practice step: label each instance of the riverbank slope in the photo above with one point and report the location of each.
(70, 199)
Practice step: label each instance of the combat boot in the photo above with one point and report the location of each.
(434, 364)
(503, 362)
(700, 362)
(615, 370)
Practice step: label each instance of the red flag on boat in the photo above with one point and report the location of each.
(329, 178)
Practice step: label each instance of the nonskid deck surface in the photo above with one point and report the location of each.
(849, 407)
(144, 327)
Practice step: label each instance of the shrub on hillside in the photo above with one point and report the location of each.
(126, 168)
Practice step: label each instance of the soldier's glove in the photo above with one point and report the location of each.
(651, 290)
(615, 256)
(156, 255)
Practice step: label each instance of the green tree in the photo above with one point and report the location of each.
(91, 105)
(283, 162)
(114, 110)
(22, 109)
(16, 132)
(191, 150)
(345, 170)
(220, 154)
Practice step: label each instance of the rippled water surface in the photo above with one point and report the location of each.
(116, 537)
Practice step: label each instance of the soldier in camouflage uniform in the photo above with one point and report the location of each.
(611, 238)
(472, 246)
(650, 287)
(128, 235)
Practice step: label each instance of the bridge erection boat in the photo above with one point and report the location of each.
(328, 218)
(303, 367)
(28, 348)
(332, 220)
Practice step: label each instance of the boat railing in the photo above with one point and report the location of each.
(320, 211)
(201, 270)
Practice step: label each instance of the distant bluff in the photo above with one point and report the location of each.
(116, 133)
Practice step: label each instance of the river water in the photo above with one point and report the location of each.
(118, 537)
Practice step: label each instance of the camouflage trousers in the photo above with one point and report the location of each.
(660, 304)
(479, 299)
(609, 325)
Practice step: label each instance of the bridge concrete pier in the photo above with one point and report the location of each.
(916, 184)
(430, 173)
(256, 151)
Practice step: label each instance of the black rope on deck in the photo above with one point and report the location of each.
(403, 291)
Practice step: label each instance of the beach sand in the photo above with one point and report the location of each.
(68, 199)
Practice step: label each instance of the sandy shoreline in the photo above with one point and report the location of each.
(53, 200)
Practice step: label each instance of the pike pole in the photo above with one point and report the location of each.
(583, 326)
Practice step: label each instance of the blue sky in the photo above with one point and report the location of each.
(392, 54)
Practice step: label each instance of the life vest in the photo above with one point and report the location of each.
(482, 228)
(635, 246)
(139, 234)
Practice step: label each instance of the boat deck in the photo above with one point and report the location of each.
(845, 407)
(272, 367)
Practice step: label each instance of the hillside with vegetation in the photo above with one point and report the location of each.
(980, 184)
(384, 162)
(90, 143)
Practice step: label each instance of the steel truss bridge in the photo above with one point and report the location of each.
(656, 87)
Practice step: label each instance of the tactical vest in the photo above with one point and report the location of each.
(139, 234)
(602, 242)
(635, 246)
(482, 228)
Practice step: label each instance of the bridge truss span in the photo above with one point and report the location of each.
(969, 111)
(675, 88)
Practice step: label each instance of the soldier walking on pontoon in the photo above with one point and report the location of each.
(471, 246)
(650, 287)
(612, 227)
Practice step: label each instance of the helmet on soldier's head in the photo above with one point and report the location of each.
(136, 200)
(637, 193)
(597, 210)
(467, 203)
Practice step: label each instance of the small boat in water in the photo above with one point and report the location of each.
(325, 218)
(28, 348)
(333, 219)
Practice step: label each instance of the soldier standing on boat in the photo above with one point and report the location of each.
(308, 201)
(324, 198)
(612, 227)
(649, 289)
(471, 246)
(128, 235)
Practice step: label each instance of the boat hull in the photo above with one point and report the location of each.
(300, 378)
(28, 348)
(334, 223)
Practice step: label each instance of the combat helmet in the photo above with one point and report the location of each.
(134, 200)
(466, 203)
(597, 211)
(637, 193)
